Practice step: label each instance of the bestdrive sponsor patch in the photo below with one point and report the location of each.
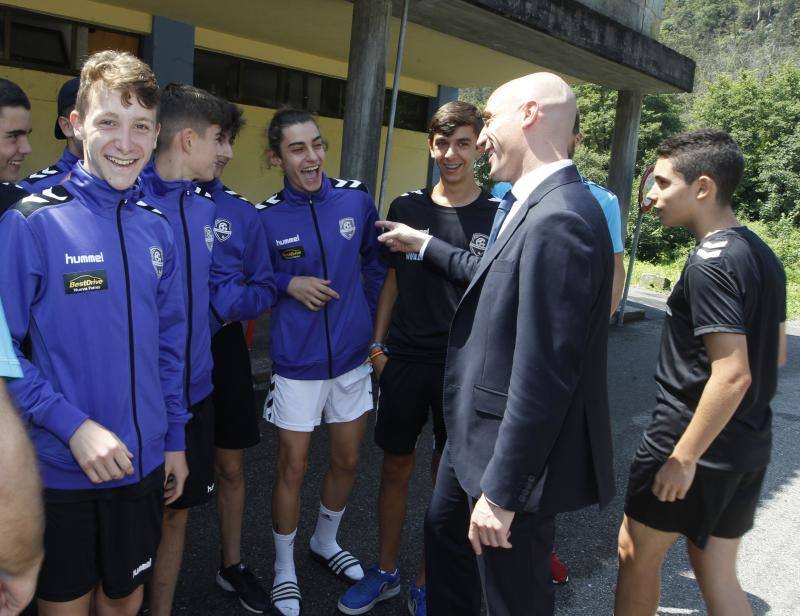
(295, 252)
(84, 282)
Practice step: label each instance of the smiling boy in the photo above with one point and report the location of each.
(15, 126)
(90, 281)
(191, 138)
(410, 339)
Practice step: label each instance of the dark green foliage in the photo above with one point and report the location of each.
(763, 115)
(747, 82)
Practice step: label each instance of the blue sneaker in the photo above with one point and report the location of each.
(416, 600)
(375, 586)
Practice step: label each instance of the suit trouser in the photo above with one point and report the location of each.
(515, 581)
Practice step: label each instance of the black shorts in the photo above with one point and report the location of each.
(108, 536)
(407, 390)
(236, 419)
(719, 504)
(199, 487)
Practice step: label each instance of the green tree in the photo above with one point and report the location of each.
(763, 116)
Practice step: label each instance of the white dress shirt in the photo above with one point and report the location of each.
(524, 187)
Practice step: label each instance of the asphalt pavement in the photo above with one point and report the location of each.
(586, 540)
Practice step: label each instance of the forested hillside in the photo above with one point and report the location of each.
(748, 83)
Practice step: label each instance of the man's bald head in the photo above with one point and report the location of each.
(534, 119)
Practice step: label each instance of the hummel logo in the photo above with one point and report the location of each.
(288, 240)
(209, 488)
(143, 567)
(76, 259)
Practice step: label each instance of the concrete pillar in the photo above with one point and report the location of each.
(169, 50)
(444, 95)
(366, 89)
(623, 151)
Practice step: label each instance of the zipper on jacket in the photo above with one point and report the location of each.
(325, 275)
(130, 332)
(189, 306)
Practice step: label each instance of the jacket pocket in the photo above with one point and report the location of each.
(489, 401)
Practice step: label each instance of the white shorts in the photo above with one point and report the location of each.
(300, 406)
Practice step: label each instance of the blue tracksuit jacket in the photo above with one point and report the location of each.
(190, 212)
(50, 176)
(90, 279)
(331, 235)
(243, 286)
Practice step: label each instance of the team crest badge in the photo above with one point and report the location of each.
(477, 245)
(222, 229)
(209, 237)
(347, 227)
(157, 258)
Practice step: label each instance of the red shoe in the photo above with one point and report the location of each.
(558, 570)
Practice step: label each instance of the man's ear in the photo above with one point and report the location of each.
(706, 189)
(75, 124)
(530, 113)
(430, 147)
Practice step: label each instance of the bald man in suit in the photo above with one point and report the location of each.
(525, 398)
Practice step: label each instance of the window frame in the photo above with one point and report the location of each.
(8, 15)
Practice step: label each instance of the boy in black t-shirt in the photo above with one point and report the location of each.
(699, 468)
(411, 329)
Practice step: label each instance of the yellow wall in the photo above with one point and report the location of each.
(247, 173)
(91, 12)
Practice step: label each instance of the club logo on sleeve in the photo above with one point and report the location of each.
(222, 229)
(157, 257)
(347, 227)
(85, 282)
(477, 245)
(209, 235)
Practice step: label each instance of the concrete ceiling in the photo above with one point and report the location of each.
(462, 44)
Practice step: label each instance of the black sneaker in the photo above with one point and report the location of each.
(239, 579)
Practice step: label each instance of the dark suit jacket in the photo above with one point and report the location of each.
(525, 396)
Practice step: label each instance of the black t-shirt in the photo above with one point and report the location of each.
(732, 282)
(426, 301)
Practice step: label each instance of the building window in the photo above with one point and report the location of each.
(266, 85)
(41, 42)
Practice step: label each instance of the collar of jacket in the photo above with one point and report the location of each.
(213, 187)
(301, 197)
(97, 194)
(154, 184)
(68, 159)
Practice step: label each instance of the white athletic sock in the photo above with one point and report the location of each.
(284, 570)
(324, 543)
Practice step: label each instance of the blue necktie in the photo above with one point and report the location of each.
(499, 217)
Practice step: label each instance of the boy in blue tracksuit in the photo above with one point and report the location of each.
(15, 128)
(59, 171)
(190, 141)
(241, 250)
(324, 250)
(90, 285)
